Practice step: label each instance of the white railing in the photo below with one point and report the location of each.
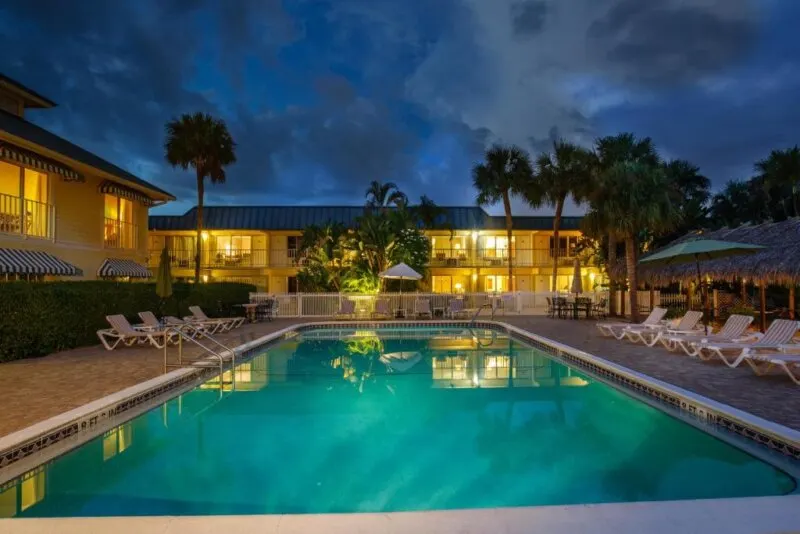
(27, 217)
(328, 304)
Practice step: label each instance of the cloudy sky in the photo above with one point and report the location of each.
(323, 96)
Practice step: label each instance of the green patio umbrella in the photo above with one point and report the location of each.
(164, 277)
(697, 251)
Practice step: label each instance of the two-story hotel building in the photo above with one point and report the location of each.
(259, 245)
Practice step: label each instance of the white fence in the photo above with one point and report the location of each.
(328, 304)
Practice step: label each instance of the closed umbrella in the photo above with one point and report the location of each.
(164, 277)
(697, 251)
(577, 282)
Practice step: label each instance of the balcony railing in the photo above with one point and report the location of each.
(498, 257)
(120, 234)
(235, 258)
(26, 217)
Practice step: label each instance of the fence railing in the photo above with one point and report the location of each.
(457, 257)
(329, 304)
(26, 217)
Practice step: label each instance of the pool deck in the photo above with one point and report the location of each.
(36, 389)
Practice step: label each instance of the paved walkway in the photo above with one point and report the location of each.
(39, 388)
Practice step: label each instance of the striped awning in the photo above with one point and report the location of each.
(113, 188)
(26, 158)
(18, 261)
(115, 267)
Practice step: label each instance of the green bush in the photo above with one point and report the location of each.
(40, 318)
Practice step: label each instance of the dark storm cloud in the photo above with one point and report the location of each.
(528, 18)
(672, 42)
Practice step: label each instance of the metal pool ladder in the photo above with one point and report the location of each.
(478, 311)
(209, 351)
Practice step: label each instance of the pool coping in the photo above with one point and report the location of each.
(87, 421)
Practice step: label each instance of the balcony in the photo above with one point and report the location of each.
(26, 217)
(227, 258)
(499, 258)
(120, 234)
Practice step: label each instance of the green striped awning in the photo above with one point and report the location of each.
(18, 261)
(113, 188)
(117, 267)
(26, 158)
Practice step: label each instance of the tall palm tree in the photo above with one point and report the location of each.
(202, 142)
(633, 196)
(384, 195)
(568, 170)
(506, 171)
(429, 213)
(610, 151)
(691, 195)
(781, 170)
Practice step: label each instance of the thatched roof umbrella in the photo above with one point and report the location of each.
(778, 263)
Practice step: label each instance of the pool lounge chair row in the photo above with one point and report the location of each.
(731, 344)
(422, 308)
(157, 334)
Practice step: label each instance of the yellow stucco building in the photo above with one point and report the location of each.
(63, 210)
(259, 245)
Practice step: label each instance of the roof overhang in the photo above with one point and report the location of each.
(30, 98)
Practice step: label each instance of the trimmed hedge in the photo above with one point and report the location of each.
(37, 319)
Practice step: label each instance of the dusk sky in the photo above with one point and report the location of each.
(324, 96)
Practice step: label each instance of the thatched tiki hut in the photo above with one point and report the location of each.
(777, 264)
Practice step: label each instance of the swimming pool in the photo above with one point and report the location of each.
(394, 419)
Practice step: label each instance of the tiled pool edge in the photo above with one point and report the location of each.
(38, 437)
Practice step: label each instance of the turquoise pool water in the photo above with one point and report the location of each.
(390, 420)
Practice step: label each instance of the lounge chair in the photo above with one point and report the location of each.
(617, 329)
(455, 308)
(762, 363)
(733, 330)
(650, 335)
(778, 337)
(191, 328)
(423, 307)
(347, 308)
(382, 309)
(224, 324)
(122, 331)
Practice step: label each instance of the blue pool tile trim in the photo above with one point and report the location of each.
(587, 364)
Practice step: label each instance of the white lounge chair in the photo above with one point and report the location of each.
(347, 308)
(224, 324)
(617, 329)
(650, 335)
(192, 329)
(382, 309)
(778, 337)
(762, 363)
(732, 331)
(455, 308)
(423, 307)
(122, 331)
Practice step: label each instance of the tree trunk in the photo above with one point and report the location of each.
(794, 202)
(556, 227)
(630, 263)
(199, 245)
(509, 226)
(612, 289)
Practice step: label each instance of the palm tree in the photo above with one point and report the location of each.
(634, 196)
(202, 142)
(610, 151)
(781, 170)
(506, 171)
(690, 190)
(567, 171)
(384, 195)
(428, 213)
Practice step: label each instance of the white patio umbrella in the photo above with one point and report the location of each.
(400, 361)
(401, 271)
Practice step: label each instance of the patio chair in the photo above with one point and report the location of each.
(347, 308)
(733, 330)
(551, 308)
(266, 310)
(423, 307)
(192, 329)
(225, 323)
(600, 309)
(382, 309)
(455, 307)
(618, 329)
(122, 331)
(778, 337)
(650, 335)
(761, 364)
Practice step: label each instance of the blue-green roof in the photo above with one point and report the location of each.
(299, 217)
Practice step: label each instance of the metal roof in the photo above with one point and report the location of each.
(31, 98)
(28, 131)
(299, 217)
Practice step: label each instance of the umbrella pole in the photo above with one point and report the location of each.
(703, 293)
